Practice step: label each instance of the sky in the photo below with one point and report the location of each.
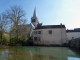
(49, 12)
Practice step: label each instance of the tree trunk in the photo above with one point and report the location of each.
(1, 33)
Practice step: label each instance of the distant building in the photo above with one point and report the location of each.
(73, 34)
(77, 29)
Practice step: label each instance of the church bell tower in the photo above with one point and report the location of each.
(34, 19)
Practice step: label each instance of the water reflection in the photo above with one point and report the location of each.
(13, 54)
(37, 53)
(73, 58)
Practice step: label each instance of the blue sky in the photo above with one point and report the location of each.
(49, 12)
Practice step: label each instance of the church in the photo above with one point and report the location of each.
(46, 34)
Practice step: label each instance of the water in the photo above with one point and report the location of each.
(37, 53)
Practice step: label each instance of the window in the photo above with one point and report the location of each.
(50, 31)
(35, 32)
(35, 38)
(39, 39)
(39, 32)
(33, 20)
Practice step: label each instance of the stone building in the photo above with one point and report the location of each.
(48, 34)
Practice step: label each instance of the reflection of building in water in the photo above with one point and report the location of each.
(50, 53)
(37, 49)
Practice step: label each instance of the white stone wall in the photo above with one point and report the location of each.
(73, 34)
(54, 38)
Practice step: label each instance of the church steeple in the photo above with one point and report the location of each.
(34, 19)
(34, 14)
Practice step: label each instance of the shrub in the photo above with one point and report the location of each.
(5, 38)
(18, 40)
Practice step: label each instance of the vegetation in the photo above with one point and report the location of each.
(5, 38)
(13, 20)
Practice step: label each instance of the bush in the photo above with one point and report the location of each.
(18, 40)
(5, 38)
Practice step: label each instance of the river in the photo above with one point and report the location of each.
(37, 53)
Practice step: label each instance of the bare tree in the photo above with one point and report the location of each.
(17, 15)
(24, 31)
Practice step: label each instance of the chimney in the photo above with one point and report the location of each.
(60, 23)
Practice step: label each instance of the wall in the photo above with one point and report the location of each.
(54, 38)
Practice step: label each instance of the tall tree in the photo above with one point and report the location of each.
(17, 15)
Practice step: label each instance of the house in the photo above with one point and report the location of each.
(50, 35)
(73, 34)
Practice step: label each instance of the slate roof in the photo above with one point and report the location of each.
(50, 26)
(77, 29)
(72, 31)
(31, 25)
(27, 25)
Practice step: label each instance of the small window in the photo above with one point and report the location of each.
(35, 38)
(39, 32)
(39, 39)
(50, 31)
(35, 32)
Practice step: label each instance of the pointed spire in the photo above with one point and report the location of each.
(35, 15)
